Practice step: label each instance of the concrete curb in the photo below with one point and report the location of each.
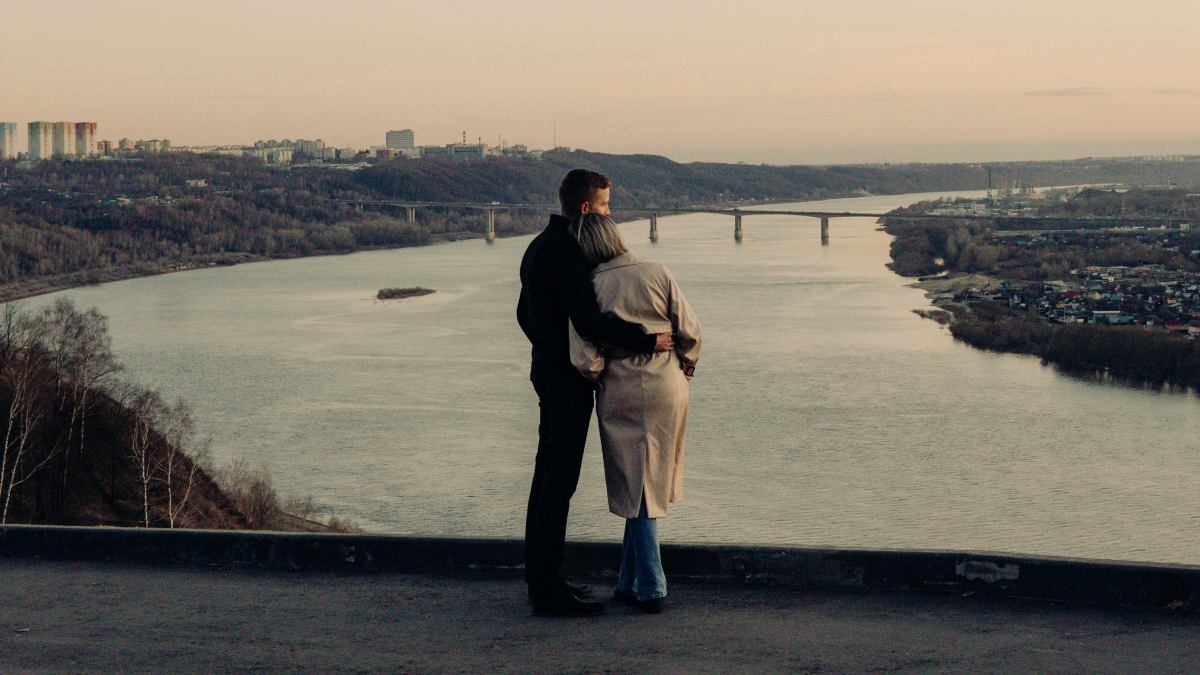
(1065, 579)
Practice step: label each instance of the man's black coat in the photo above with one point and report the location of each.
(555, 287)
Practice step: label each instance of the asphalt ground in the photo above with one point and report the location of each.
(108, 617)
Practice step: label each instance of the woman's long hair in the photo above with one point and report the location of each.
(598, 238)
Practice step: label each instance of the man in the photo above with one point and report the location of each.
(555, 287)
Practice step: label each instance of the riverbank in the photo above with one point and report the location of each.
(1132, 354)
(44, 285)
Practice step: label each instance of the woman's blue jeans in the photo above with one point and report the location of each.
(641, 564)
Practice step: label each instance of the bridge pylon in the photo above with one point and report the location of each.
(412, 214)
(653, 228)
(491, 226)
(737, 227)
(824, 231)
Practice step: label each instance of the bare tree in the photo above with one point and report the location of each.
(178, 433)
(27, 372)
(252, 492)
(146, 408)
(81, 351)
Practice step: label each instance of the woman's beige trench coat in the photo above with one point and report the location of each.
(642, 401)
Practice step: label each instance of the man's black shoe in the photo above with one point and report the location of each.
(581, 591)
(562, 603)
(578, 590)
(624, 598)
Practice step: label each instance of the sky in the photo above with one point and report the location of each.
(779, 82)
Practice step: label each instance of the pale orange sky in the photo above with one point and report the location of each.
(780, 82)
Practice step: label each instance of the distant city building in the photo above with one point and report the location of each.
(467, 150)
(314, 149)
(152, 145)
(404, 139)
(85, 139)
(275, 155)
(458, 151)
(383, 153)
(329, 154)
(515, 151)
(226, 150)
(435, 151)
(125, 145)
(104, 148)
(8, 140)
(64, 139)
(41, 140)
(346, 154)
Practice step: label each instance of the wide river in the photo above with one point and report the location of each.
(824, 412)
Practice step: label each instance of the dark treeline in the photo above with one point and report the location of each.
(1003, 334)
(651, 181)
(80, 446)
(96, 220)
(1128, 352)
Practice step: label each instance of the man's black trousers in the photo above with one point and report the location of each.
(566, 400)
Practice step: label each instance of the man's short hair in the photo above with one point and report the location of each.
(579, 186)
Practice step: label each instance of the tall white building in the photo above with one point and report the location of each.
(8, 140)
(41, 140)
(85, 139)
(314, 149)
(401, 140)
(64, 139)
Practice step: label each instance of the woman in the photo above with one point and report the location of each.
(641, 402)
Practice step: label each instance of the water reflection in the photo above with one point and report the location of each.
(1103, 377)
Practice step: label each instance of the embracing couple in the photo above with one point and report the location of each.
(613, 331)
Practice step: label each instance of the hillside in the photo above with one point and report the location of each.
(79, 446)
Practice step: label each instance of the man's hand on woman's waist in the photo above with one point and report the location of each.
(664, 342)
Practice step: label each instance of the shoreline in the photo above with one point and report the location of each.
(32, 288)
(951, 284)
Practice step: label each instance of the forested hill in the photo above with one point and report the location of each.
(650, 180)
(64, 223)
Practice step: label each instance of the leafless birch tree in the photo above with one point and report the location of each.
(26, 370)
(177, 472)
(146, 407)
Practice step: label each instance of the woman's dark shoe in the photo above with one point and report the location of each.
(624, 598)
(652, 605)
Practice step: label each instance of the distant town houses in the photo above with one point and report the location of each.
(1146, 295)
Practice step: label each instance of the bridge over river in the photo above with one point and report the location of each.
(737, 213)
